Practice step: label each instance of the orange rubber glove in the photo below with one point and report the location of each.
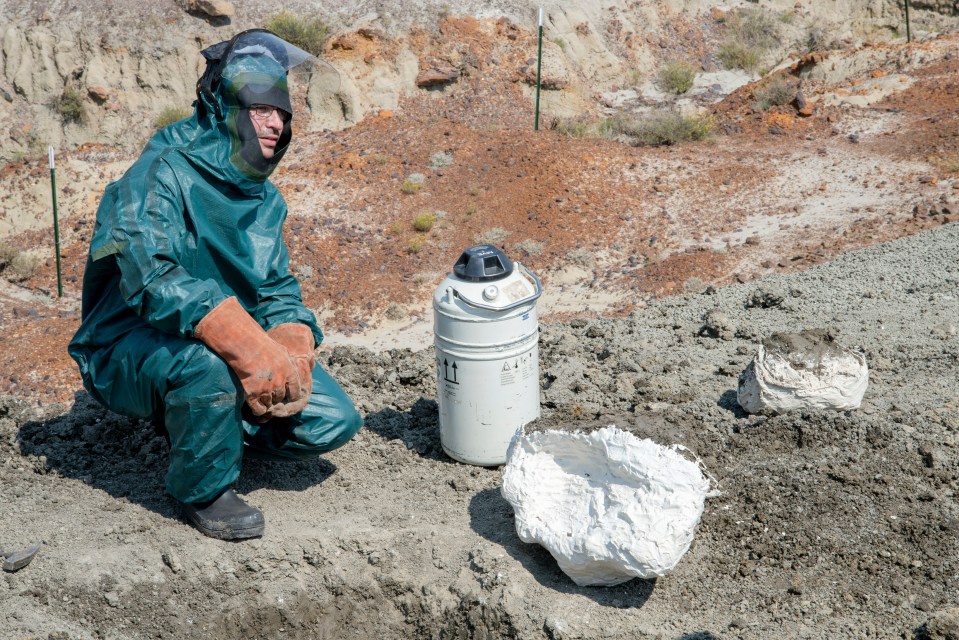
(265, 368)
(298, 340)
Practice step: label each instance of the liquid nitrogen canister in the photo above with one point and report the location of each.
(487, 354)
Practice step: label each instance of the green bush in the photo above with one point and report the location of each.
(170, 114)
(309, 34)
(734, 55)
(416, 244)
(424, 222)
(70, 105)
(774, 93)
(676, 77)
(670, 127)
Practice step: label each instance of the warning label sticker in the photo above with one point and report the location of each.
(516, 369)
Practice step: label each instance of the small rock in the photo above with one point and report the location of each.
(717, 324)
(99, 94)
(212, 8)
(944, 625)
(434, 76)
(171, 560)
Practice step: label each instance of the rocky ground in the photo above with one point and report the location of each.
(828, 525)
(663, 267)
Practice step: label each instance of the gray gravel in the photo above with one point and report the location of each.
(829, 525)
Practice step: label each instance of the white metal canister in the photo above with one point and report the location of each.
(487, 354)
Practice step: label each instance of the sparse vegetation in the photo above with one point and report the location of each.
(17, 265)
(634, 77)
(170, 114)
(494, 236)
(424, 222)
(413, 183)
(470, 210)
(559, 42)
(529, 247)
(694, 285)
(948, 163)
(394, 312)
(775, 93)
(70, 105)
(582, 257)
(439, 160)
(734, 55)
(750, 33)
(416, 244)
(584, 127)
(818, 39)
(676, 77)
(309, 34)
(665, 127)
(573, 127)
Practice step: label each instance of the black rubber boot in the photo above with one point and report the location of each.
(226, 518)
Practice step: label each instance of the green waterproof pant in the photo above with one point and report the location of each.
(195, 395)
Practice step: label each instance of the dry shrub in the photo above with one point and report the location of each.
(750, 34)
(309, 34)
(666, 127)
(16, 265)
(775, 93)
(170, 114)
(70, 105)
(494, 236)
(676, 77)
(424, 222)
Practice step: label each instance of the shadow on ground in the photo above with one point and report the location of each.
(491, 516)
(127, 459)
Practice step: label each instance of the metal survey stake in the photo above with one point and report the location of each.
(56, 221)
(539, 66)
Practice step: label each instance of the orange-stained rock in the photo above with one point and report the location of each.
(434, 76)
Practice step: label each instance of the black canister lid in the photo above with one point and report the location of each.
(482, 263)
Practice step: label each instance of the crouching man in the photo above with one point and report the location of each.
(190, 316)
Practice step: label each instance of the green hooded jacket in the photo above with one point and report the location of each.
(194, 221)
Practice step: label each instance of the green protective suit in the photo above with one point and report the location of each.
(191, 223)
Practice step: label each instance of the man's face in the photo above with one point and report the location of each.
(268, 125)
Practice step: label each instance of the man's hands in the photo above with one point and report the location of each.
(269, 374)
(298, 340)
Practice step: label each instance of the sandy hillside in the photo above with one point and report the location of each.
(664, 268)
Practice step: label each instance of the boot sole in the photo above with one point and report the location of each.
(223, 531)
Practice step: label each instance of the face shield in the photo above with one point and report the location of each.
(252, 70)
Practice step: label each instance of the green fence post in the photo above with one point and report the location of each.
(56, 222)
(539, 66)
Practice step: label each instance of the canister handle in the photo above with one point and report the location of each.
(512, 305)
